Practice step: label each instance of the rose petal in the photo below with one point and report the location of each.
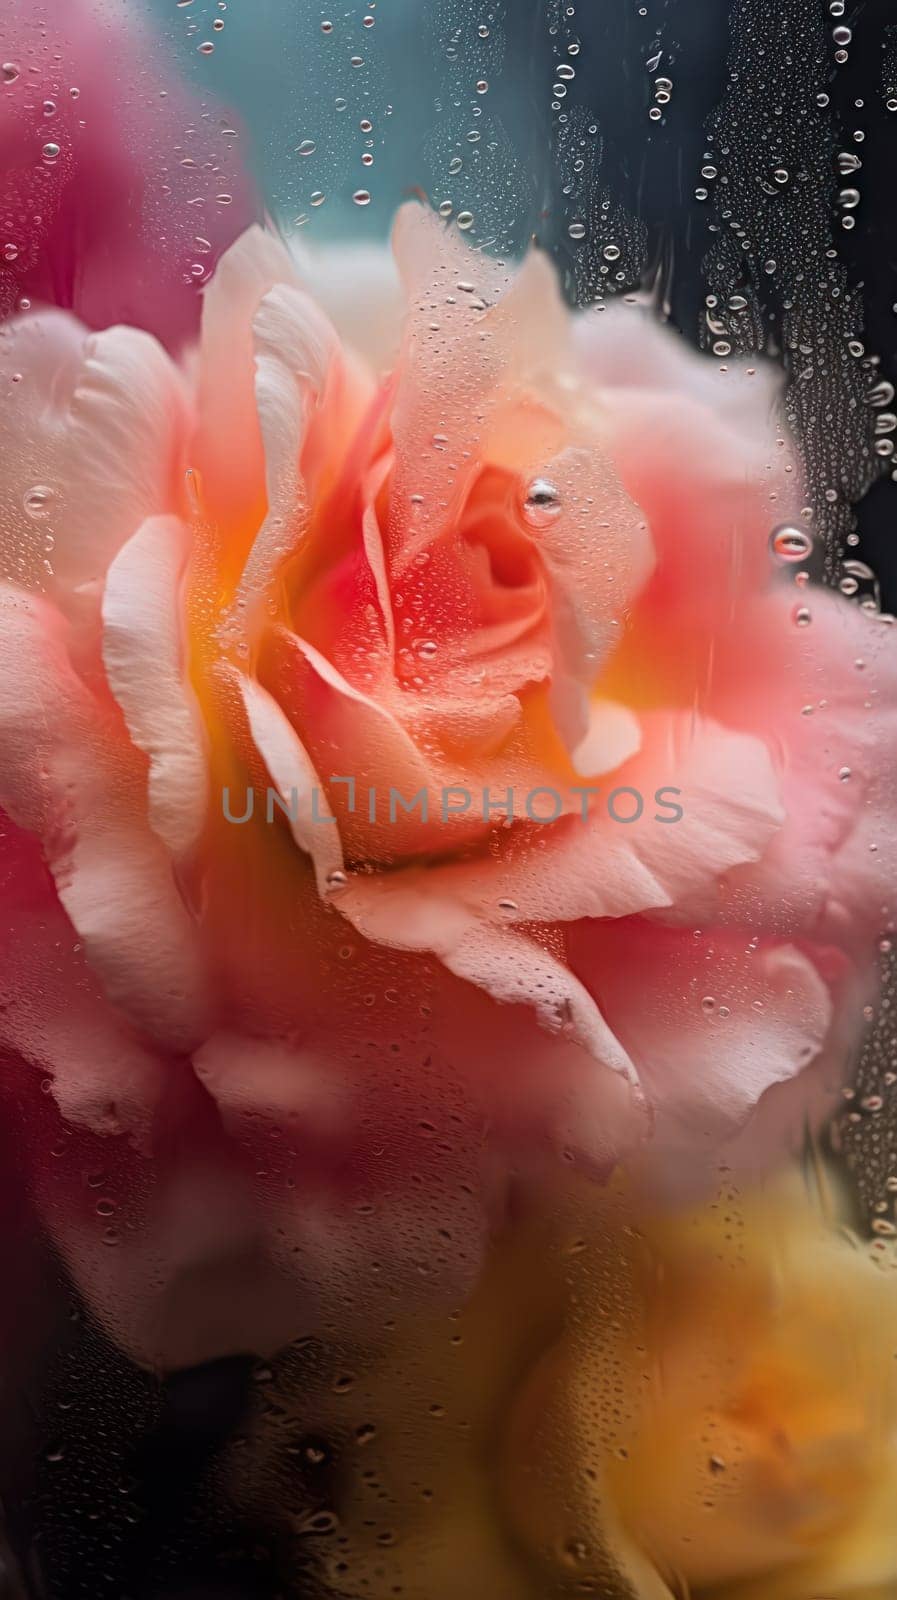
(312, 822)
(710, 467)
(229, 449)
(68, 773)
(724, 784)
(92, 446)
(144, 655)
(710, 1024)
(614, 735)
(512, 968)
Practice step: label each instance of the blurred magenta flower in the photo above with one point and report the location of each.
(119, 188)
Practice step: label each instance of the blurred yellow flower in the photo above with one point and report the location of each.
(632, 1405)
(719, 1415)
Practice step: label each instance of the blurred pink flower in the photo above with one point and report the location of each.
(119, 186)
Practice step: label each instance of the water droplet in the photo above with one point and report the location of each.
(306, 148)
(362, 197)
(542, 503)
(842, 36)
(801, 616)
(790, 544)
(38, 501)
(336, 880)
(51, 150)
(10, 71)
(849, 199)
(611, 252)
(465, 221)
(482, 86)
(206, 48)
(848, 162)
(577, 230)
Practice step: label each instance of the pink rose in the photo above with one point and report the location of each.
(118, 188)
(289, 1062)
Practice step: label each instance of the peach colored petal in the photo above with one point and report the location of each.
(350, 735)
(597, 554)
(710, 1024)
(614, 735)
(229, 450)
(458, 361)
(822, 697)
(311, 820)
(144, 654)
(479, 383)
(600, 867)
(68, 774)
(293, 346)
(53, 1013)
(92, 444)
(410, 914)
(703, 451)
(357, 286)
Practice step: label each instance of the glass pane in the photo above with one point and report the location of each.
(447, 772)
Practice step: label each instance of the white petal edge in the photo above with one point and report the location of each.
(144, 650)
